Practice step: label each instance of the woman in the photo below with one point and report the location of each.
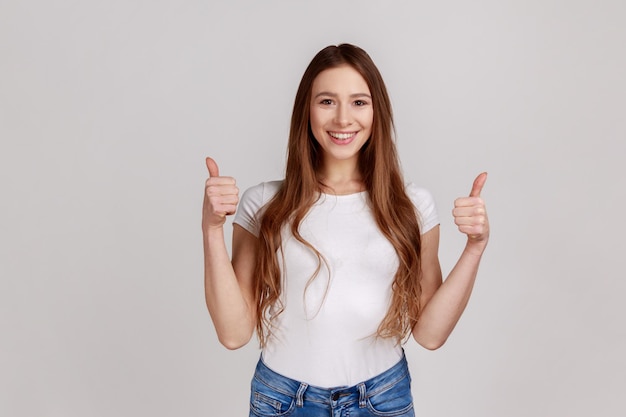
(336, 265)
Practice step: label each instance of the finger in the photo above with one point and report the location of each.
(477, 187)
(222, 185)
(211, 165)
(468, 211)
(225, 200)
(473, 232)
(468, 202)
(225, 209)
(469, 221)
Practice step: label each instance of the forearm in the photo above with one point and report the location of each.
(444, 309)
(226, 302)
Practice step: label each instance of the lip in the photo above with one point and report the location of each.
(332, 135)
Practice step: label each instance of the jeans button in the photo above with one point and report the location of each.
(335, 396)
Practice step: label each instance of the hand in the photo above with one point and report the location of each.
(221, 196)
(470, 214)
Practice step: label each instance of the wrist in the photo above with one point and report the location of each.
(211, 233)
(476, 247)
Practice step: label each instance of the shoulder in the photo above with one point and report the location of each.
(418, 194)
(252, 202)
(261, 193)
(424, 203)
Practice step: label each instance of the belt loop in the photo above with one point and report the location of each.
(362, 403)
(300, 394)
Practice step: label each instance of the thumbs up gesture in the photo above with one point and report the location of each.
(470, 214)
(221, 196)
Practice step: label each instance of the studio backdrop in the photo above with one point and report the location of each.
(108, 109)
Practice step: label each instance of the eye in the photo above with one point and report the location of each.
(326, 101)
(360, 103)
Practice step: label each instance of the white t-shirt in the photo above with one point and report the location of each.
(326, 334)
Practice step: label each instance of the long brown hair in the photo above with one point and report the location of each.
(378, 164)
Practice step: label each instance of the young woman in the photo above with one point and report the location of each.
(336, 265)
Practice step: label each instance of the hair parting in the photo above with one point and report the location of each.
(392, 209)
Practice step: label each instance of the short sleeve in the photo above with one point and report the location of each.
(425, 204)
(251, 204)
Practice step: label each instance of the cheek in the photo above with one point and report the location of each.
(367, 120)
(315, 120)
(316, 125)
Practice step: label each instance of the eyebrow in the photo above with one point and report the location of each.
(355, 95)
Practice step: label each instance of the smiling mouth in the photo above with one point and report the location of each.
(342, 136)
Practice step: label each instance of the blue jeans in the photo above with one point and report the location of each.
(387, 394)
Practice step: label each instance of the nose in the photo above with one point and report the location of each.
(342, 116)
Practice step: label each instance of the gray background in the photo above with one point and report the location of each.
(108, 108)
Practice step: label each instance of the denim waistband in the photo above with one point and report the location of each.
(359, 392)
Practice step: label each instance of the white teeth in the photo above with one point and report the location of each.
(341, 136)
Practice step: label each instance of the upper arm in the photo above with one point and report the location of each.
(245, 248)
(431, 269)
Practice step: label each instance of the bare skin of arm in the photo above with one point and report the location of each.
(229, 291)
(444, 303)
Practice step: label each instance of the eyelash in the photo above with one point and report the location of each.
(358, 103)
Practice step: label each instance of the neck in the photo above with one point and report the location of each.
(341, 177)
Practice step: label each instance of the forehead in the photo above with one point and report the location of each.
(342, 79)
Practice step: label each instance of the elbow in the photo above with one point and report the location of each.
(430, 343)
(230, 345)
(234, 343)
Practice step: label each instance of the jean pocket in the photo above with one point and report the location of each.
(267, 402)
(395, 401)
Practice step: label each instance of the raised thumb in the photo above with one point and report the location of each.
(211, 165)
(477, 187)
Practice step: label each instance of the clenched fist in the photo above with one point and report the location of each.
(470, 214)
(221, 196)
